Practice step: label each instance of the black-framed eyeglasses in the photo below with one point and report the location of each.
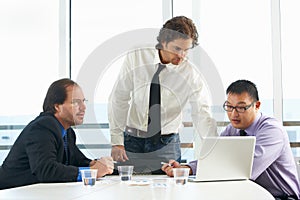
(239, 109)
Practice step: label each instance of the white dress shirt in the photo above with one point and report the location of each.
(129, 101)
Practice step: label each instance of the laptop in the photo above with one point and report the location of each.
(225, 158)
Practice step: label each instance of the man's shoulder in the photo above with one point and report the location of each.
(142, 56)
(140, 51)
(41, 126)
(48, 118)
(46, 121)
(270, 127)
(270, 121)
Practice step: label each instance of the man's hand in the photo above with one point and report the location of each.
(168, 167)
(118, 153)
(104, 165)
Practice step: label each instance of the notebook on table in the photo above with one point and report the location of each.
(225, 158)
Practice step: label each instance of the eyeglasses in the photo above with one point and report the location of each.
(178, 50)
(239, 109)
(78, 102)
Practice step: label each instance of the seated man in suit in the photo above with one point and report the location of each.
(274, 167)
(46, 150)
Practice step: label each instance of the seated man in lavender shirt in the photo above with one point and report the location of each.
(274, 167)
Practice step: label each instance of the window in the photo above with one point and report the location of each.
(237, 41)
(238, 45)
(236, 35)
(290, 32)
(97, 32)
(93, 24)
(290, 58)
(29, 49)
(29, 39)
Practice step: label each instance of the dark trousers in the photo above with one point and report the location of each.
(146, 154)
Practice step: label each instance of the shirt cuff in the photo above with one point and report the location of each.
(79, 174)
(117, 140)
(193, 166)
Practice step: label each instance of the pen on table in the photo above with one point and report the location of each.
(170, 165)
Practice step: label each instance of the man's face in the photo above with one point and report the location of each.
(245, 119)
(72, 111)
(175, 51)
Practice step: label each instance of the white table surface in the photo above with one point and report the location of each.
(112, 188)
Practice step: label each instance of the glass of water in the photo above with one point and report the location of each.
(125, 172)
(181, 175)
(89, 176)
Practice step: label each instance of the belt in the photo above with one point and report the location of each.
(136, 132)
(141, 134)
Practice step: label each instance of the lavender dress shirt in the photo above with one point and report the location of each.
(274, 166)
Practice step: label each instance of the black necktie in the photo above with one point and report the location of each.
(243, 133)
(65, 138)
(154, 118)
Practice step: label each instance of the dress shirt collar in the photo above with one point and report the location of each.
(63, 131)
(251, 129)
(156, 57)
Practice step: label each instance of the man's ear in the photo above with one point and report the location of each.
(164, 45)
(57, 107)
(257, 105)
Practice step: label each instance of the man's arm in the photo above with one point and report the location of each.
(45, 155)
(118, 106)
(269, 144)
(204, 124)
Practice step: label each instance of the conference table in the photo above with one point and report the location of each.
(141, 187)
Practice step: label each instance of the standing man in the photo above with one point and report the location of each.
(274, 167)
(46, 150)
(143, 126)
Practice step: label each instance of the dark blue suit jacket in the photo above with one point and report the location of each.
(37, 155)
